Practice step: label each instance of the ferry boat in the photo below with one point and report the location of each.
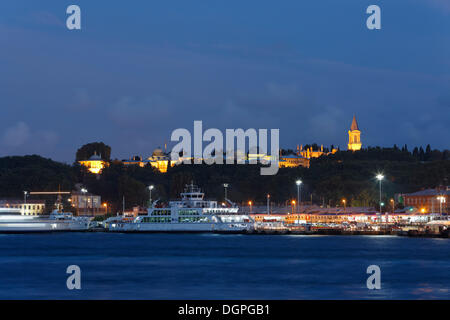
(13, 221)
(190, 214)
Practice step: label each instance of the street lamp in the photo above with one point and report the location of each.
(225, 185)
(344, 202)
(84, 191)
(441, 201)
(106, 207)
(380, 177)
(268, 204)
(25, 194)
(250, 205)
(299, 184)
(293, 205)
(150, 188)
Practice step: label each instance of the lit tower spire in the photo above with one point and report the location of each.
(354, 136)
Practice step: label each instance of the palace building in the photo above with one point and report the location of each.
(159, 160)
(354, 136)
(309, 152)
(95, 164)
(293, 161)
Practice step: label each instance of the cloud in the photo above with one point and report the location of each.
(130, 111)
(16, 135)
(20, 137)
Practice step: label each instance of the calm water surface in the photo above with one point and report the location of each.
(209, 266)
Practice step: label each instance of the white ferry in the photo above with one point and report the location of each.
(190, 214)
(12, 221)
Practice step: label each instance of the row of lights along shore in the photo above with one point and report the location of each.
(298, 183)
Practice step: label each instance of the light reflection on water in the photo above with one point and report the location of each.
(214, 266)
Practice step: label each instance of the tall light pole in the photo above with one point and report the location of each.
(250, 205)
(25, 194)
(380, 177)
(345, 204)
(225, 185)
(84, 191)
(293, 205)
(299, 184)
(441, 201)
(150, 188)
(268, 204)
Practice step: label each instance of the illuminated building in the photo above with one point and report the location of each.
(30, 208)
(95, 164)
(429, 200)
(354, 136)
(135, 161)
(260, 157)
(87, 204)
(292, 161)
(158, 160)
(309, 153)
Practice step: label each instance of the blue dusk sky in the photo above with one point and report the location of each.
(140, 69)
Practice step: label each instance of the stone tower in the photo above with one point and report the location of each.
(354, 136)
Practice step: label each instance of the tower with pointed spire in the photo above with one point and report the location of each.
(354, 136)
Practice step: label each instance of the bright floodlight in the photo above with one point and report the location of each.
(380, 177)
(83, 190)
(298, 182)
(151, 187)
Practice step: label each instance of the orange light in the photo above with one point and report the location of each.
(105, 204)
(249, 203)
(293, 201)
(422, 210)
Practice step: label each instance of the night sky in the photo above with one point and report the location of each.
(139, 69)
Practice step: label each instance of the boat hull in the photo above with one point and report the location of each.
(178, 228)
(40, 227)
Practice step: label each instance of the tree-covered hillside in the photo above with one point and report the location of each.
(349, 175)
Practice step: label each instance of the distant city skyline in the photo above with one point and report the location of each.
(135, 73)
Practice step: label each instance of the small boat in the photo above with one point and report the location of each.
(13, 221)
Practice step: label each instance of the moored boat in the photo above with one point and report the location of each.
(192, 213)
(13, 221)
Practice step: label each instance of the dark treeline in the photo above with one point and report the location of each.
(349, 175)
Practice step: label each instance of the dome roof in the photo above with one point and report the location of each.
(95, 157)
(158, 153)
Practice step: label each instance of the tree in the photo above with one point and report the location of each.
(421, 154)
(427, 153)
(88, 150)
